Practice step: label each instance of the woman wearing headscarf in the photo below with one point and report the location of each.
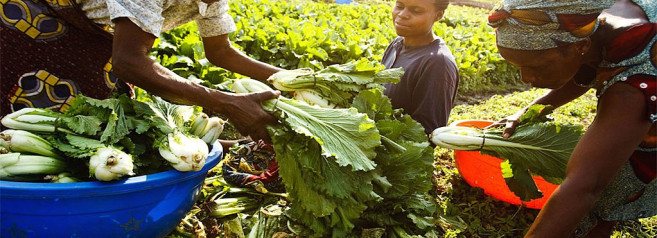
(570, 47)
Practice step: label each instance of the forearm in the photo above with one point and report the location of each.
(564, 210)
(130, 63)
(596, 160)
(559, 97)
(156, 79)
(219, 52)
(238, 62)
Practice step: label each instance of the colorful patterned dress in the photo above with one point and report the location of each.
(49, 52)
(631, 58)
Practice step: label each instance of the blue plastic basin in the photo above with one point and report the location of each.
(142, 206)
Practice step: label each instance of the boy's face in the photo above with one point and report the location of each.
(414, 17)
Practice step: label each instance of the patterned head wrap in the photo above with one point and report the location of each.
(545, 24)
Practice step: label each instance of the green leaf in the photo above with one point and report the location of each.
(520, 181)
(345, 134)
(116, 127)
(295, 183)
(550, 150)
(536, 113)
(84, 143)
(410, 171)
(81, 124)
(373, 103)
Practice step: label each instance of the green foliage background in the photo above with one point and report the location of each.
(313, 35)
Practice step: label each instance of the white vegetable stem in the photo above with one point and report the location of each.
(312, 98)
(24, 141)
(30, 119)
(199, 124)
(468, 138)
(286, 77)
(109, 163)
(212, 130)
(16, 164)
(185, 153)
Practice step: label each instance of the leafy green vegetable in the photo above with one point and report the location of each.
(538, 145)
(345, 134)
(25, 167)
(102, 131)
(25, 141)
(337, 84)
(403, 177)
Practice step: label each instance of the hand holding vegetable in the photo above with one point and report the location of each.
(245, 112)
(510, 123)
(539, 146)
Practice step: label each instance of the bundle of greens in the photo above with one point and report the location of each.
(404, 170)
(539, 146)
(324, 157)
(111, 138)
(184, 151)
(345, 134)
(352, 169)
(336, 85)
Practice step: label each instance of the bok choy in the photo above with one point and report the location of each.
(24, 167)
(349, 136)
(184, 151)
(336, 85)
(538, 146)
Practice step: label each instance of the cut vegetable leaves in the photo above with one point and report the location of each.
(336, 84)
(345, 134)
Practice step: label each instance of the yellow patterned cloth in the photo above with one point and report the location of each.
(156, 16)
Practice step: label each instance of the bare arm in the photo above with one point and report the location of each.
(132, 64)
(220, 53)
(556, 98)
(595, 161)
(559, 97)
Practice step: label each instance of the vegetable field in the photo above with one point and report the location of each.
(312, 35)
(315, 35)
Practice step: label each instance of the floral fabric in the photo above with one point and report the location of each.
(539, 25)
(157, 16)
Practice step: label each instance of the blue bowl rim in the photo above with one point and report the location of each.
(9, 189)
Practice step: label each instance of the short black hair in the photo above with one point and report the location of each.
(441, 5)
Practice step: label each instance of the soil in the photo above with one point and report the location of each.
(477, 97)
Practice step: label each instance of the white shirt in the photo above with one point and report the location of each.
(156, 16)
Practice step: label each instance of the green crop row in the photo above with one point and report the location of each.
(314, 35)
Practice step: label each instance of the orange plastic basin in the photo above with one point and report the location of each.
(484, 171)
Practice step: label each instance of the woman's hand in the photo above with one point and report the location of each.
(510, 123)
(245, 112)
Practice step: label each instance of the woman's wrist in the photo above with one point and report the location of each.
(215, 100)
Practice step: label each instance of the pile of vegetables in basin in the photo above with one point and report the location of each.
(104, 140)
(353, 167)
(539, 146)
